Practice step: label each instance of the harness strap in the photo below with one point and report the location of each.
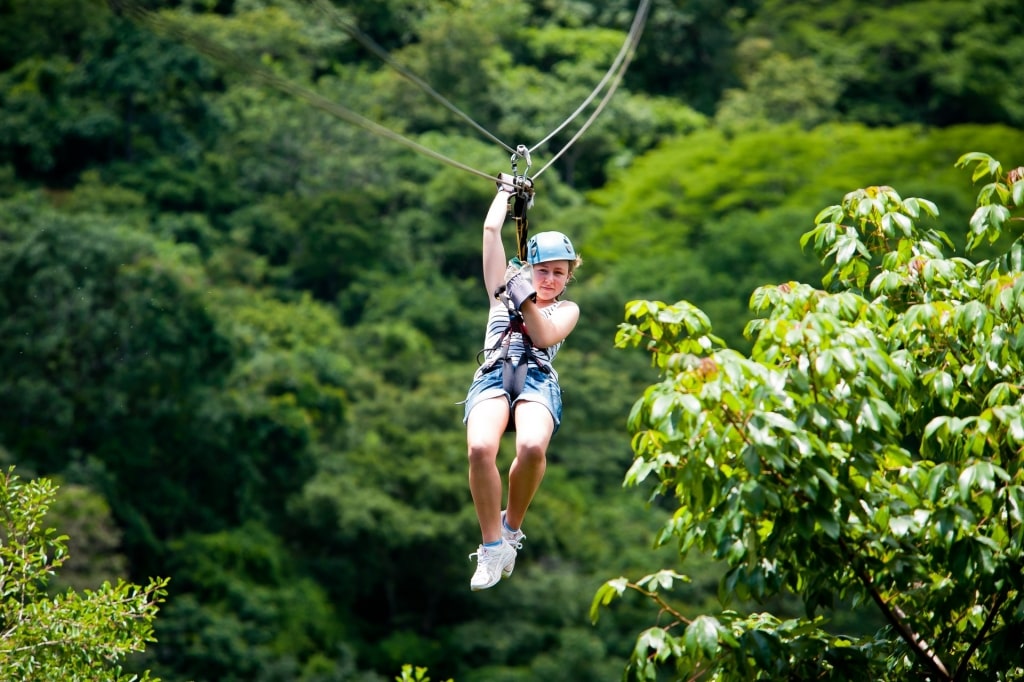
(513, 372)
(513, 380)
(519, 206)
(513, 377)
(523, 199)
(505, 342)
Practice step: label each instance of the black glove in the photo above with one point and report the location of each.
(519, 288)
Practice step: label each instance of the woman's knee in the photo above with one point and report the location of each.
(482, 452)
(531, 451)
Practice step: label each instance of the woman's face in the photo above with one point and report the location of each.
(550, 278)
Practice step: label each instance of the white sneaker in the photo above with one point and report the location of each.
(490, 564)
(514, 538)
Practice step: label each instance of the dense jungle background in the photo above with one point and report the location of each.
(236, 329)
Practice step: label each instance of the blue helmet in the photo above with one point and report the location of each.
(547, 246)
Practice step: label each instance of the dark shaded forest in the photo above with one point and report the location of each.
(237, 327)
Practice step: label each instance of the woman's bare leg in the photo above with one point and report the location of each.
(534, 427)
(486, 423)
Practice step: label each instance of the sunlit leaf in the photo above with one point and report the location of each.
(701, 636)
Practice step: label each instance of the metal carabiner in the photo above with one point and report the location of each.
(522, 183)
(523, 152)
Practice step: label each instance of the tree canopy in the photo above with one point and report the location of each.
(237, 326)
(865, 452)
(68, 635)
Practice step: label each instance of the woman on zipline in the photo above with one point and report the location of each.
(527, 324)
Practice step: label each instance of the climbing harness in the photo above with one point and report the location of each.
(513, 370)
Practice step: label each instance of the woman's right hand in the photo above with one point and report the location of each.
(506, 183)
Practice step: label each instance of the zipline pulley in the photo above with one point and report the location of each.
(521, 187)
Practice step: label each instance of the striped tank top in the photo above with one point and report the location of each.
(497, 323)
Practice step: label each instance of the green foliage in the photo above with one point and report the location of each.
(112, 347)
(240, 329)
(777, 90)
(70, 635)
(46, 27)
(865, 450)
(916, 60)
(94, 538)
(688, 50)
(241, 609)
(411, 674)
(110, 93)
(717, 217)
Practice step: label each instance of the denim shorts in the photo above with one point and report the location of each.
(540, 387)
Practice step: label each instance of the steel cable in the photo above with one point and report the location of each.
(627, 56)
(382, 54)
(231, 59)
(236, 61)
(628, 47)
(615, 73)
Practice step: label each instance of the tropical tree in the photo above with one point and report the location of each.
(866, 453)
(939, 67)
(67, 636)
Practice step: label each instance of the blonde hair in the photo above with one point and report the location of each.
(573, 264)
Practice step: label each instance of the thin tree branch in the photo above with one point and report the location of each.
(898, 620)
(961, 670)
